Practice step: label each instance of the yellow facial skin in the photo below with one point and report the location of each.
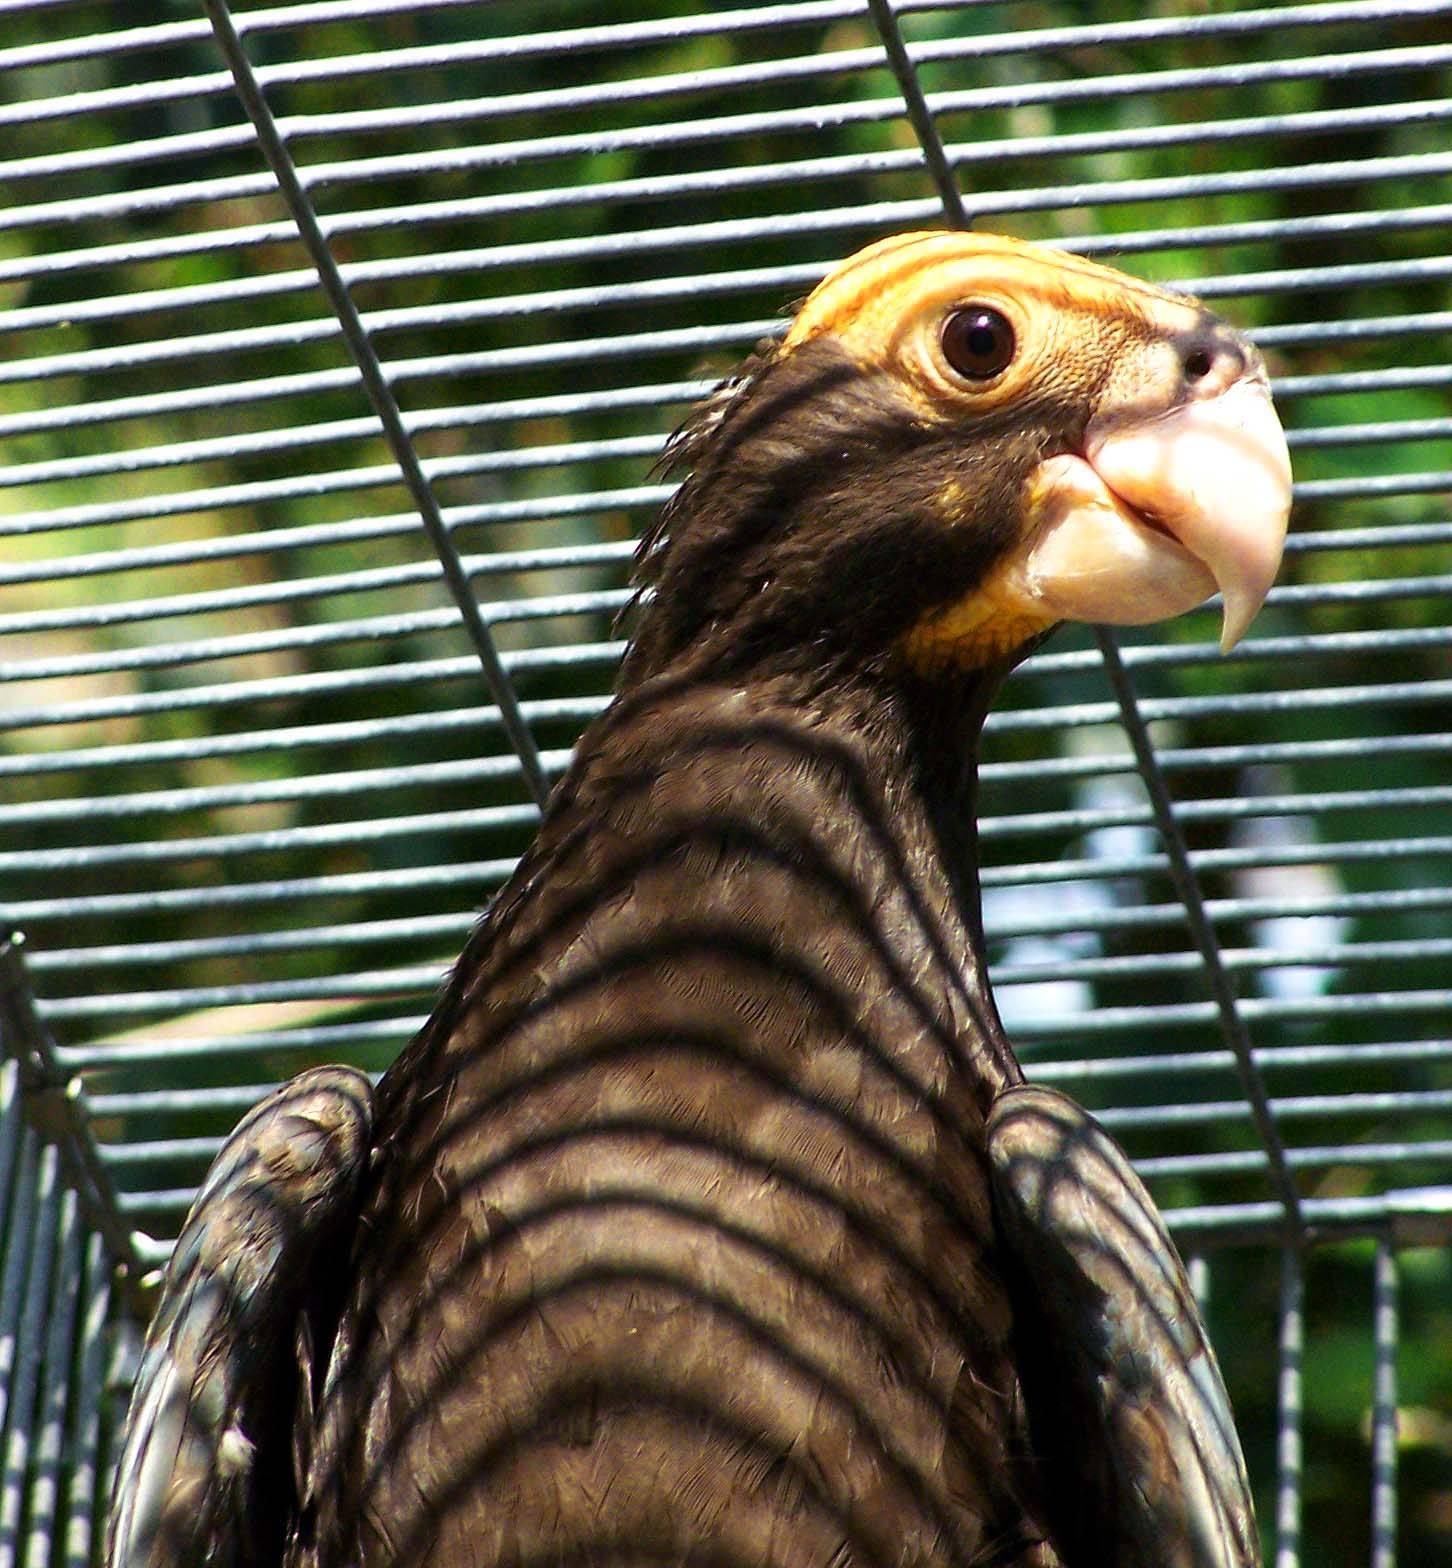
(1183, 481)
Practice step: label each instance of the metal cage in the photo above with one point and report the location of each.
(337, 342)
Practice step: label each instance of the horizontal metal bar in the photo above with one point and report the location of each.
(358, 123)
(296, 837)
(369, 1033)
(1239, 1162)
(1244, 1162)
(473, 875)
(379, 628)
(1376, 432)
(451, 928)
(1333, 955)
(1322, 699)
(376, 628)
(1411, 1216)
(1185, 759)
(608, 601)
(231, 293)
(261, 390)
(197, 347)
(1380, 485)
(139, 460)
(496, 154)
(1061, 921)
(450, 721)
(423, 980)
(412, 929)
(605, 601)
(322, 736)
(1272, 1059)
(167, 1102)
(1013, 824)
(336, 1039)
(142, 1102)
(1059, 1073)
(194, 347)
(1163, 656)
(360, 530)
(553, 557)
(1103, 1021)
(1384, 537)
(268, 389)
(1084, 819)
(153, 1204)
(1286, 1107)
(396, 831)
(1336, 383)
(300, 128)
(1147, 917)
(603, 655)
(1079, 715)
(399, 59)
(1038, 149)
(523, 46)
(1172, 656)
(400, 984)
(365, 428)
(480, 209)
(325, 786)
(372, 579)
(143, 203)
(657, 239)
(618, 92)
(1353, 328)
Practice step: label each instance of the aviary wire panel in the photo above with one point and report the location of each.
(337, 343)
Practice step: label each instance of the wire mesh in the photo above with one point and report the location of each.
(264, 757)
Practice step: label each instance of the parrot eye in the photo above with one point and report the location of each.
(1198, 364)
(978, 342)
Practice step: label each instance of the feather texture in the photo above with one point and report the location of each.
(216, 1376)
(681, 1240)
(1122, 1371)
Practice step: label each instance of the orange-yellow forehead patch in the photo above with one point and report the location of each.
(867, 299)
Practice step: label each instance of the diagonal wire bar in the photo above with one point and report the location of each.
(919, 114)
(375, 380)
(55, 1107)
(1187, 887)
(1222, 987)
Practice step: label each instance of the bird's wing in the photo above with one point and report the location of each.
(1127, 1408)
(218, 1384)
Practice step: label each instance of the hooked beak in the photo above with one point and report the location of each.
(1160, 512)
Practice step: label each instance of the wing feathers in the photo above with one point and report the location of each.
(1129, 1410)
(217, 1369)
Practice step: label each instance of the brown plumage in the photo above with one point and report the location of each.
(681, 1239)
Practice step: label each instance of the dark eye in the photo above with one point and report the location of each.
(977, 342)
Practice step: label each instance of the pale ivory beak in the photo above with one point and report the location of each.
(1160, 513)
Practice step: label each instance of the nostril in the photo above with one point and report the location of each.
(1198, 363)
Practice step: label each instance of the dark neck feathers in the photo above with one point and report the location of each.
(811, 530)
